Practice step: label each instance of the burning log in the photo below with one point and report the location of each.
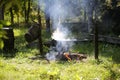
(72, 56)
(64, 56)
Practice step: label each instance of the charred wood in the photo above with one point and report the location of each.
(72, 56)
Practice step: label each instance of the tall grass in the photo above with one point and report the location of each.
(22, 66)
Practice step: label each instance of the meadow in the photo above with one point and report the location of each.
(19, 65)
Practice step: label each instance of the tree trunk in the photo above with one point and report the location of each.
(47, 23)
(90, 15)
(40, 33)
(85, 15)
(95, 22)
(47, 15)
(96, 39)
(25, 11)
(18, 20)
(12, 16)
(2, 13)
(114, 3)
(28, 12)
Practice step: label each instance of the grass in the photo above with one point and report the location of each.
(18, 65)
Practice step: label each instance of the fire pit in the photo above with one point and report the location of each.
(66, 56)
(60, 51)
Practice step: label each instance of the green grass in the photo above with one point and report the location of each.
(18, 65)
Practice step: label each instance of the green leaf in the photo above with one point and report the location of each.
(1, 26)
(1, 44)
(4, 23)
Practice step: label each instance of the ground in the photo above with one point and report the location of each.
(18, 65)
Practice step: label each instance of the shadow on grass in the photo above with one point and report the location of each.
(105, 50)
(110, 51)
(8, 53)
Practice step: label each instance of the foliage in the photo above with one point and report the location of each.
(1, 35)
(2, 32)
(11, 3)
(5, 23)
(103, 10)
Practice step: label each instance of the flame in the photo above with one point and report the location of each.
(67, 56)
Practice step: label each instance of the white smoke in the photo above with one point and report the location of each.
(59, 11)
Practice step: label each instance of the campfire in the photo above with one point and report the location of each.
(61, 44)
(67, 56)
(60, 51)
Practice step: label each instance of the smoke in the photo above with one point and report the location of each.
(59, 11)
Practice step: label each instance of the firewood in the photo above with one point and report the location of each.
(73, 56)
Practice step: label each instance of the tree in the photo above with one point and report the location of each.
(27, 4)
(110, 18)
(98, 8)
(28, 11)
(25, 11)
(114, 3)
(115, 15)
(1, 10)
(12, 16)
(11, 5)
(47, 15)
(40, 32)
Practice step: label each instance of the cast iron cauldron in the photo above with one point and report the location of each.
(32, 33)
